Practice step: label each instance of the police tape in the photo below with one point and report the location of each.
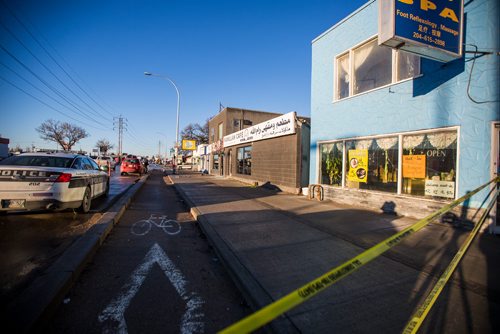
(307, 291)
(423, 310)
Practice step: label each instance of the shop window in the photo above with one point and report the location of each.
(244, 160)
(429, 164)
(331, 163)
(216, 162)
(373, 66)
(372, 164)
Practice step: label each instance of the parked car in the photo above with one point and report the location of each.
(53, 181)
(131, 165)
(103, 162)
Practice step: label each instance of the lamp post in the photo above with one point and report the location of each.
(176, 148)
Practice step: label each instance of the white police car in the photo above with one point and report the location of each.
(52, 181)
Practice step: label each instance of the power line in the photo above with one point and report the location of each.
(47, 105)
(53, 59)
(36, 88)
(92, 110)
(53, 89)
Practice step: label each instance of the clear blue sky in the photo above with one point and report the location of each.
(245, 54)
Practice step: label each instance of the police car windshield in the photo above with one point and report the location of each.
(38, 161)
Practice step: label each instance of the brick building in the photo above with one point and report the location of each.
(260, 147)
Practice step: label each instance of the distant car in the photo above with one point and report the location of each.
(103, 161)
(131, 165)
(52, 181)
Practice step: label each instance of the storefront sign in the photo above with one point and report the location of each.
(440, 188)
(188, 144)
(414, 166)
(358, 166)
(429, 28)
(276, 127)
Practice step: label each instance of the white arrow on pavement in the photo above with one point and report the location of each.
(113, 316)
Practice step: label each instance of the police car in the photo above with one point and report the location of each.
(52, 181)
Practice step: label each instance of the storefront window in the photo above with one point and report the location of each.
(372, 164)
(331, 163)
(216, 161)
(429, 164)
(244, 160)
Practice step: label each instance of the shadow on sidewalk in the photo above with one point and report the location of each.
(285, 241)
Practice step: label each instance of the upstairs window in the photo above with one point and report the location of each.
(370, 66)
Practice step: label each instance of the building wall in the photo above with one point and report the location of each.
(438, 98)
(279, 161)
(228, 116)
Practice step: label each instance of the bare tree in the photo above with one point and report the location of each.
(196, 132)
(104, 145)
(65, 134)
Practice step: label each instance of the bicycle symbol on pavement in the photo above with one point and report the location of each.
(169, 226)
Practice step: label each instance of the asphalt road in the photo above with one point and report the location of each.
(31, 241)
(164, 279)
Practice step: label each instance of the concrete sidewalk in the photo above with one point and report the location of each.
(272, 243)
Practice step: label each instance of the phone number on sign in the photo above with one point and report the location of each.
(429, 39)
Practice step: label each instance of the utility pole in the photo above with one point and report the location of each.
(159, 149)
(119, 123)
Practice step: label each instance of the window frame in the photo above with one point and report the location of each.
(400, 136)
(350, 53)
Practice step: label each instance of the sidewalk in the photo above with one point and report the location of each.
(272, 243)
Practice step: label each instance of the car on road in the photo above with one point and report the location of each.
(52, 181)
(103, 162)
(131, 165)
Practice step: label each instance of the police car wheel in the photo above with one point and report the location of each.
(86, 201)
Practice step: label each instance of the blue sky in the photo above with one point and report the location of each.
(244, 54)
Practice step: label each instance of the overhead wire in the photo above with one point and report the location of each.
(48, 85)
(37, 88)
(55, 60)
(46, 104)
(90, 111)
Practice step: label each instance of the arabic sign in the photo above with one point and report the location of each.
(188, 144)
(276, 127)
(430, 28)
(358, 166)
(414, 166)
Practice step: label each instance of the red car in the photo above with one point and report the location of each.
(131, 165)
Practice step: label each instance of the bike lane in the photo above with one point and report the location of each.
(155, 273)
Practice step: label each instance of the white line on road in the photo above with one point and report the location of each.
(113, 316)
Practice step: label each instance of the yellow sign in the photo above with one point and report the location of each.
(358, 166)
(189, 144)
(414, 166)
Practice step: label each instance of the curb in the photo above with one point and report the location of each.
(255, 295)
(41, 299)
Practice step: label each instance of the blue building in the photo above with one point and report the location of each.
(393, 129)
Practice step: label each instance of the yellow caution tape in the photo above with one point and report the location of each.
(419, 316)
(297, 297)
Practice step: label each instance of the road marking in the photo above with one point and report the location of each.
(143, 226)
(113, 316)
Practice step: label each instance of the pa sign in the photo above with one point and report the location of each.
(431, 29)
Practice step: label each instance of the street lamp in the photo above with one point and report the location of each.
(176, 148)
